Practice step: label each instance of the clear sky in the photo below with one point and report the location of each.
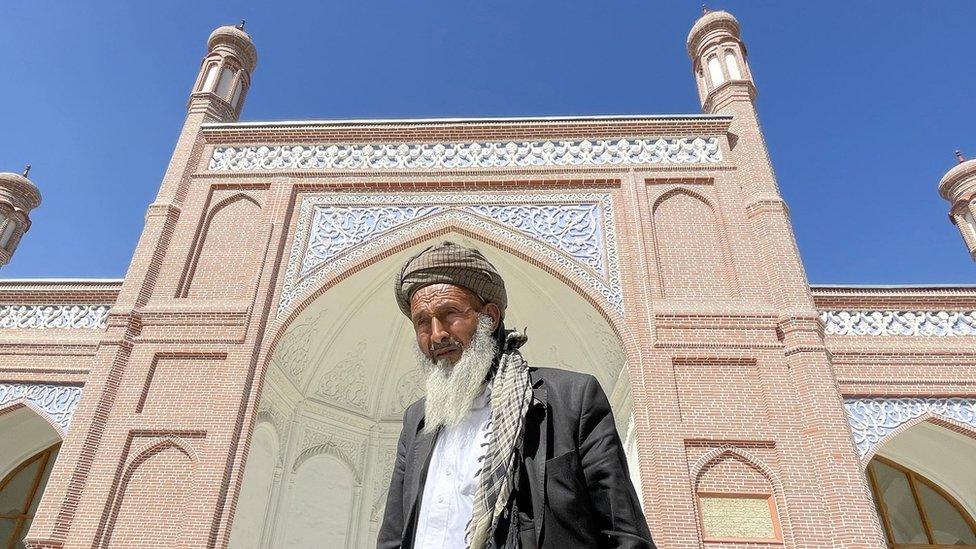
(862, 103)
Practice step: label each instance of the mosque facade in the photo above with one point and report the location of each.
(243, 385)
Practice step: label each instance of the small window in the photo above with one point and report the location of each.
(8, 231)
(739, 518)
(208, 81)
(715, 71)
(237, 94)
(914, 511)
(969, 225)
(226, 79)
(733, 66)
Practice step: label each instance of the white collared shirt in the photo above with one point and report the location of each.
(449, 490)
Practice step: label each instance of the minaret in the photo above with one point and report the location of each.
(225, 74)
(18, 196)
(958, 186)
(719, 61)
(218, 95)
(833, 480)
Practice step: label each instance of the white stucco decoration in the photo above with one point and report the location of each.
(874, 419)
(57, 402)
(484, 154)
(899, 323)
(41, 317)
(574, 230)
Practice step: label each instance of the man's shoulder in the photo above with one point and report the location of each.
(414, 412)
(559, 378)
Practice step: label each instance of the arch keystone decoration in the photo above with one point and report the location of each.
(575, 231)
(55, 403)
(874, 420)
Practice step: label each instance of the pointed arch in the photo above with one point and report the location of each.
(748, 459)
(25, 430)
(139, 507)
(225, 243)
(10, 407)
(328, 449)
(745, 456)
(688, 238)
(585, 283)
(927, 417)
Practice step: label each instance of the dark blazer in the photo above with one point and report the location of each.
(574, 491)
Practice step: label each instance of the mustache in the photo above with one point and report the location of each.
(449, 344)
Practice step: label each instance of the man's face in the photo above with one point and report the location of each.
(445, 318)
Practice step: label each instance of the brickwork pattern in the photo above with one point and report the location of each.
(735, 386)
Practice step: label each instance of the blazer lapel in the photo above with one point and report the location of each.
(423, 446)
(538, 475)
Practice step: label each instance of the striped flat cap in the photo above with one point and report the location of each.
(450, 263)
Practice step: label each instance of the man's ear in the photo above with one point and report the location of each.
(494, 312)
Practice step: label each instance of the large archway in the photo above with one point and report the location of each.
(924, 487)
(343, 372)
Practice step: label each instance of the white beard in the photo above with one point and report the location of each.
(452, 390)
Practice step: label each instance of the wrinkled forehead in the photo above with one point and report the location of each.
(439, 295)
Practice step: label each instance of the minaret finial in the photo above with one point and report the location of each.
(959, 156)
(28, 167)
(240, 26)
(704, 9)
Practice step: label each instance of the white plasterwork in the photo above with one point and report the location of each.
(40, 317)
(574, 230)
(874, 419)
(483, 154)
(899, 323)
(58, 402)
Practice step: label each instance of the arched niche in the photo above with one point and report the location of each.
(320, 505)
(344, 371)
(252, 506)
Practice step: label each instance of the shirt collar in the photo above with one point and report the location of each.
(481, 400)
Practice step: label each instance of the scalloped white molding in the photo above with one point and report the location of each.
(574, 230)
(58, 402)
(490, 154)
(899, 323)
(874, 419)
(94, 317)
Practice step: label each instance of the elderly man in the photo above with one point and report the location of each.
(498, 453)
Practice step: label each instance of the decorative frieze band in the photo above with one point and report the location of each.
(58, 402)
(452, 156)
(574, 230)
(41, 317)
(873, 419)
(899, 323)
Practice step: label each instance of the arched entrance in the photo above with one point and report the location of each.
(27, 454)
(924, 487)
(343, 372)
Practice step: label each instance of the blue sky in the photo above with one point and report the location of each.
(862, 103)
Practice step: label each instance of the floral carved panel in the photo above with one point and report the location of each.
(57, 402)
(574, 230)
(874, 419)
(899, 323)
(454, 156)
(40, 317)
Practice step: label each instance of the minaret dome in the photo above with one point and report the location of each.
(718, 58)
(958, 187)
(225, 74)
(18, 196)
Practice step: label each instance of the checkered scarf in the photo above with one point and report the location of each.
(511, 395)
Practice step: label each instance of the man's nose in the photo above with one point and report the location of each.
(437, 332)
